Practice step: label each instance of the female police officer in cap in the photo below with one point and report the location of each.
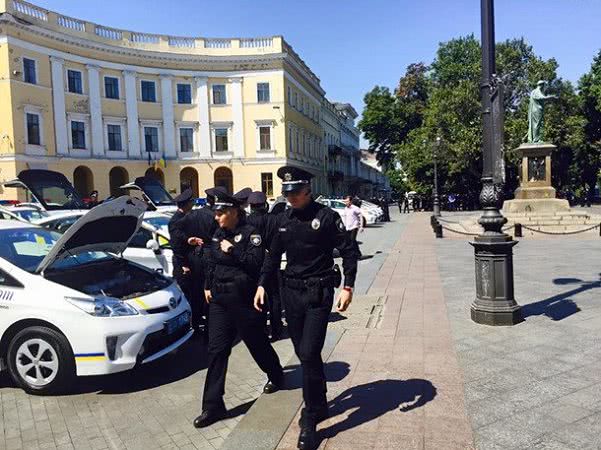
(234, 260)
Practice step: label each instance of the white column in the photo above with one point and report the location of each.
(95, 111)
(58, 103)
(131, 108)
(238, 117)
(168, 118)
(204, 124)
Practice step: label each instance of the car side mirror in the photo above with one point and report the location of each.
(153, 245)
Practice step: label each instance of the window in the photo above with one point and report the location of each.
(219, 94)
(295, 102)
(111, 87)
(140, 239)
(265, 138)
(289, 96)
(221, 139)
(33, 129)
(186, 139)
(151, 139)
(74, 83)
(114, 138)
(148, 91)
(29, 75)
(184, 94)
(263, 92)
(78, 134)
(267, 183)
(7, 280)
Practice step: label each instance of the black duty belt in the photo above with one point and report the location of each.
(327, 281)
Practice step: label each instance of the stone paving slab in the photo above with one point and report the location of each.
(404, 387)
(536, 385)
(148, 408)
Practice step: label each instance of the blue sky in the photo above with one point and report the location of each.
(353, 45)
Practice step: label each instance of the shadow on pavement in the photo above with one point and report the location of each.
(372, 400)
(336, 317)
(183, 363)
(240, 409)
(560, 306)
(335, 371)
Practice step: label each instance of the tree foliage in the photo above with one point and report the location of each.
(443, 100)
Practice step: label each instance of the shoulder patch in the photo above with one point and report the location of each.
(340, 224)
(255, 239)
(315, 224)
(238, 237)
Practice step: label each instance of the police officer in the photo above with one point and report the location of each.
(199, 226)
(242, 196)
(178, 240)
(234, 258)
(265, 224)
(308, 232)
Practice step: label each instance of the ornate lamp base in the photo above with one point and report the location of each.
(494, 304)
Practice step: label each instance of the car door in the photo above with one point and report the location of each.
(137, 252)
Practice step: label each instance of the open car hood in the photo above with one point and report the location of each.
(41, 183)
(155, 193)
(108, 227)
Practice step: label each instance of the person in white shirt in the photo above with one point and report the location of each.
(352, 218)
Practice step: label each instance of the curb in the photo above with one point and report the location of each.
(264, 425)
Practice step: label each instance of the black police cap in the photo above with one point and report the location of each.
(293, 178)
(223, 200)
(257, 198)
(184, 197)
(242, 195)
(211, 191)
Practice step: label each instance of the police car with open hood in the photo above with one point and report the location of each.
(152, 193)
(69, 306)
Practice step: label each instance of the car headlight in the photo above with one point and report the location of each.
(103, 306)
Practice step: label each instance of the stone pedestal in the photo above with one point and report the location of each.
(535, 194)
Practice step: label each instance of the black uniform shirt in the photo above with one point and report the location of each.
(199, 223)
(245, 257)
(178, 239)
(309, 236)
(266, 225)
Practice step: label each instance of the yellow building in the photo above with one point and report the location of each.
(104, 105)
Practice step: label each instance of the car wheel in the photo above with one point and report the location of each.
(40, 360)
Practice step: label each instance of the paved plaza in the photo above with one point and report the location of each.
(406, 367)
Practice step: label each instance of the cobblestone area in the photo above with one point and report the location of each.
(536, 385)
(148, 408)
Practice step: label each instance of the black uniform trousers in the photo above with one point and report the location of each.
(274, 301)
(307, 313)
(232, 314)
(196, 288)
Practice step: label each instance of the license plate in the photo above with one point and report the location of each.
(172, 325)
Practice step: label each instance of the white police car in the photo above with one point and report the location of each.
(69, 307)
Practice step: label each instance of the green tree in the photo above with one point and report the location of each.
(588, 156)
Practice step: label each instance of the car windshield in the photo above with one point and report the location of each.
(159, 222)
(31, 214)
(27, 247)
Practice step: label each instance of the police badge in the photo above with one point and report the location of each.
(255, 239)
(315, 224)
(287, 176)
(238, 238)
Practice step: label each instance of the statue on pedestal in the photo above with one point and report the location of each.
(536, 112)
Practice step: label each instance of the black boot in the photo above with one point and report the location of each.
(274, 384)
(307, 439)
(209, 417)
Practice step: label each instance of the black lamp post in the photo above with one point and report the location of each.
(436, 196)
(494, 304)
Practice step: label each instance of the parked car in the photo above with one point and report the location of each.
(71, 307)
(149, 246)
(370, 216)
(28, 213)
(153, 193)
